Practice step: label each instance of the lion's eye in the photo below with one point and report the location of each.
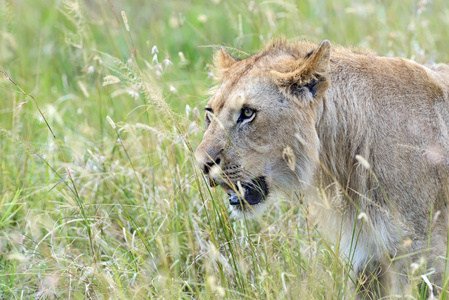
(247, 115)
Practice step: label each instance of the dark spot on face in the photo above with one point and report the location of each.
(297, 90)
(309, 54)
(311, 86)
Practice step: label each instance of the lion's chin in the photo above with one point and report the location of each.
(250, 212)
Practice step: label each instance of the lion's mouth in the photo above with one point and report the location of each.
(251, 193)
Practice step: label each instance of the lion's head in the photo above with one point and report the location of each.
(261, 121)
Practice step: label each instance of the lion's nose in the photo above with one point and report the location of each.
(208, 164)
(207, 159)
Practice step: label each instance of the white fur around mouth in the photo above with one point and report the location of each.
(237, 212)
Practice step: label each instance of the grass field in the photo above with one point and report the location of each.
(99, 192)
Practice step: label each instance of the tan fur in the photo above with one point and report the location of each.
(329, 106)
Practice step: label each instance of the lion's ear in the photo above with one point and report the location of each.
(308, 74)
(318, 60)
(223, 60)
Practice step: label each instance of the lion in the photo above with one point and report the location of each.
(364, 138)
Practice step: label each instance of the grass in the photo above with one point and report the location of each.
(99, 192)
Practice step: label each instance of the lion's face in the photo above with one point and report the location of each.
(260, 126)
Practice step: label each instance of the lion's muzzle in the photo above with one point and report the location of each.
(244, 188)
(242, 193)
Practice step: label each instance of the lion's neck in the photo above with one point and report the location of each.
(343, 133)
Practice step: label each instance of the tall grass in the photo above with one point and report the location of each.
(99, 192)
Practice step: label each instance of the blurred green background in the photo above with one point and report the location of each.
(113, 205)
